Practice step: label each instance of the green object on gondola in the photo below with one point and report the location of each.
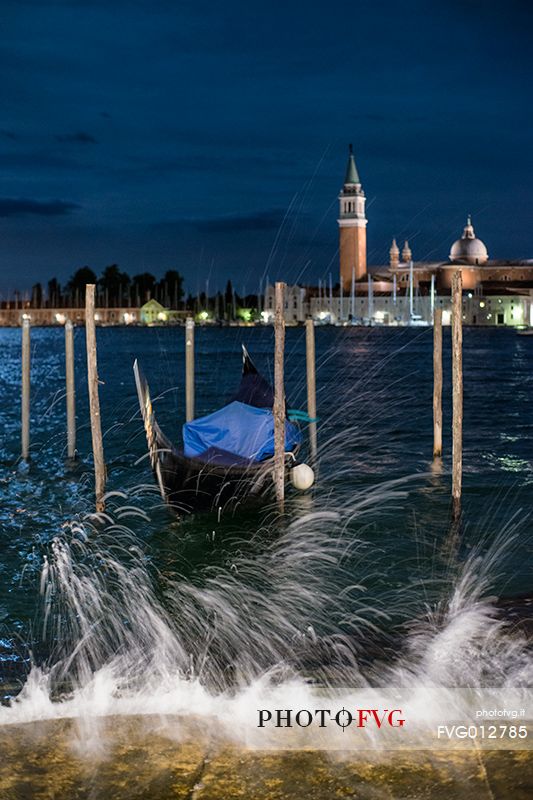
(296, 415)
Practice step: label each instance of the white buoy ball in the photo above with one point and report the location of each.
(302, 477)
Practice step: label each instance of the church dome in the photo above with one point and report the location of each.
(468, 249)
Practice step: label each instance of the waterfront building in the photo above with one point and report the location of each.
(503, 308)
(296, 304)
(12, 317)
(406, 291)
(153, 313)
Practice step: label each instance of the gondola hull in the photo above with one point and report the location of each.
(192, 485)
(189, 484)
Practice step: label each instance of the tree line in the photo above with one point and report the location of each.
(116, 289)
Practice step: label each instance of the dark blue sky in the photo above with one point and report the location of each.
(211, 137)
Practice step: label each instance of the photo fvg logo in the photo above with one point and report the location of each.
(376, 718)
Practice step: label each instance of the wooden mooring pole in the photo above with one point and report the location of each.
(25, 405)
(189, 369)
(311, 384)
(94, 399)
(279, 396)
(457, 395)
(437, 383)
(70, 390)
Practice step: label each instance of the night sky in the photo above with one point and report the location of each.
(212, 137)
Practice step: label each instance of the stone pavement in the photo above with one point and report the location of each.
(149, 758)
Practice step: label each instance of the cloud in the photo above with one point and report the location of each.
(80, 137)
(18, 207)
(256, 221)
(8, 134)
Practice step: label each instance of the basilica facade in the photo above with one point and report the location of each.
(468, 253)
(406, 291)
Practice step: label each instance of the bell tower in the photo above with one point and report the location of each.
(352, 226)
(407, 255)
(394, 255)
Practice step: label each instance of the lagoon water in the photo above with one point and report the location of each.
(364, 581)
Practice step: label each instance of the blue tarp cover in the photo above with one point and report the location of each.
(237, 428)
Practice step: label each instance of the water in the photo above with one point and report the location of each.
(363, 583)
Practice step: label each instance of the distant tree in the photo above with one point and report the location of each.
(54, 293)
(143, 286)
(76, 285)
(172, 288)
(250, 301)
(114, 283)
(228, 294)
(219, 305)
(37, 296)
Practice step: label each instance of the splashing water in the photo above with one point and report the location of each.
(337, 593)
(282, 620)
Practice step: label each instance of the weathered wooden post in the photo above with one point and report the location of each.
(457, 396)
(94, 400)
(279, 396)
(311, 384)
(189, 369)
(437, 383)
(71, 391)
(25, 405)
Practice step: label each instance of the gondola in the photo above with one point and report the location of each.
(227, 457)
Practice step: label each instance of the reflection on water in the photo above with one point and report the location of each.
(518, 465)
